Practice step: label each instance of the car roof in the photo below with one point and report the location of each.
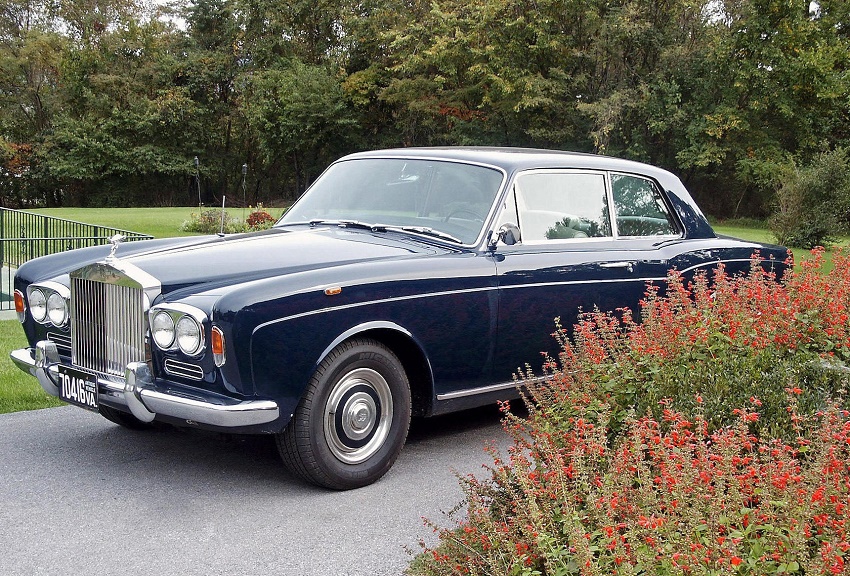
(514, 159)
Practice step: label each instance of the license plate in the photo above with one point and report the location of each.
(78, 387)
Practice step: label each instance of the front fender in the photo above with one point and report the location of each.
(284, 354)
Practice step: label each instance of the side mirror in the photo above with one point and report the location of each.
(508, 234)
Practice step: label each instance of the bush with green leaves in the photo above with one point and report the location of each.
(210, 221)
(813, 202)
(712, 437)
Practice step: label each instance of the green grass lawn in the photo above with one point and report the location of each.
(18, 391)
(158, 222)
(750, 231)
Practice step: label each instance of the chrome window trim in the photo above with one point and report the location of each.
(609, 197)
(657, 188)
(606, 182)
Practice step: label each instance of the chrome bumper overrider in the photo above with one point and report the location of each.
(139, 393)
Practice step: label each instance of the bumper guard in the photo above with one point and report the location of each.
(141, 396)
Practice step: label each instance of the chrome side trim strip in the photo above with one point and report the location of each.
(486, 289)
(477, 391)
(371, 302)
(716, 262)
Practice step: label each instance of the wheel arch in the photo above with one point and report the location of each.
(409, 352)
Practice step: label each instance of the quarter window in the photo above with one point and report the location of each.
(640, 208)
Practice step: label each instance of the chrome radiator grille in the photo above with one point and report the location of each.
(107, 326)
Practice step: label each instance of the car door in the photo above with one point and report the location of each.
(574, 254)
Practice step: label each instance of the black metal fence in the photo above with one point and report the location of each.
(27, 235)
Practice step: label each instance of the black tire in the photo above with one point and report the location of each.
(352, 421)
(123, 418)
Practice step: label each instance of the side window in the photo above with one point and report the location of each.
(640, 208)
(562, 205)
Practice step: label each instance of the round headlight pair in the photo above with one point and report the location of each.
(48, 305)
(169, 327)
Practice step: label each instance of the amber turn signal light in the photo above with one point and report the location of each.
(217, 345)
(20, 305)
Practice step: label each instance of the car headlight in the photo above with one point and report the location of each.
(57, 309)
(38, 305)
(162, 329)
(48, 303)
(177, 326)
(189, 337)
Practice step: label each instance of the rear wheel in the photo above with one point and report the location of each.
(352, 422)
(123, 418)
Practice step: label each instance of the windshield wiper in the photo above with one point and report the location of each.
(425, 231)
(350, 224)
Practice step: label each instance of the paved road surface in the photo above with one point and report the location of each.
(81, 496)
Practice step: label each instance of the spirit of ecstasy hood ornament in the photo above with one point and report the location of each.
(115, 241)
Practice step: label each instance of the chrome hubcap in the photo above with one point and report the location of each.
(358, 415)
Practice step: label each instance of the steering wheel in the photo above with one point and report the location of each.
(475, 215)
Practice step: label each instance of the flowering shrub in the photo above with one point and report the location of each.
(709, 438)
(209, 222)
(259, 219)
(715, 347)
(674, 501)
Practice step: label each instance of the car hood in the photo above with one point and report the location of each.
(201, 263)
(214, 261)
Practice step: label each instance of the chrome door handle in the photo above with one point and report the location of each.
(630, 266)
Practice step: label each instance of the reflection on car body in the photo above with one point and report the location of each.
(403, 282)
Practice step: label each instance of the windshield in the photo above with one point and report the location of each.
(419, 195)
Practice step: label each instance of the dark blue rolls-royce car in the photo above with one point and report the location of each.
(408, 282)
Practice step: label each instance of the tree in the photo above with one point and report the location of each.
(776, 87)
(299, 112)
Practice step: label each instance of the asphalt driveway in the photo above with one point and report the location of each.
(79, 495)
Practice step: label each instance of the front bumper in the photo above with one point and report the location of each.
(145, 399)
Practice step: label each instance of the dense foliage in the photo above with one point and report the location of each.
(711, 438)
(107, 102)
(813, 202)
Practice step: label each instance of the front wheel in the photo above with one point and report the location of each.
(353, 419)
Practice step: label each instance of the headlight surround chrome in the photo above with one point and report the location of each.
(49, 303)
(178, 327)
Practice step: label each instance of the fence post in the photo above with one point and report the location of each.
(2, 236)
